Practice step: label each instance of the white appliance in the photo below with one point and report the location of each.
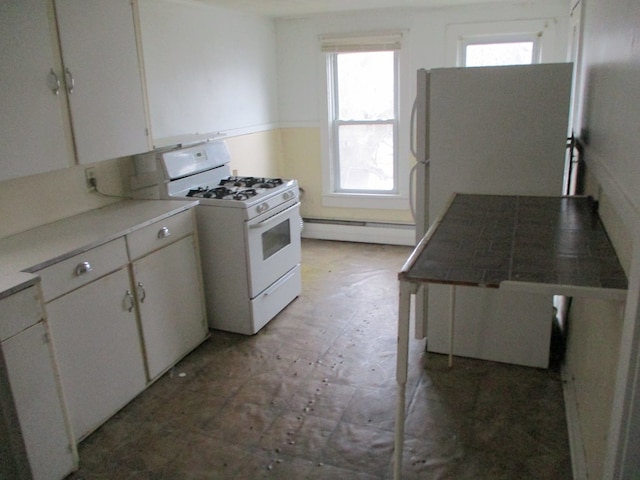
(248, 229)
(489, 130)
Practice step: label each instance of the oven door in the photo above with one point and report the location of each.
(273, 241)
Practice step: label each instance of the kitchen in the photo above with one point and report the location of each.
(270, 137)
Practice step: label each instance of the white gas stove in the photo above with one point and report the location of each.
(249, 231)
(256, 195)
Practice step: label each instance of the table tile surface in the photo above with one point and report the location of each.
(484, 240)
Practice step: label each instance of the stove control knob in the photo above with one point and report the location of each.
(263, 207)
(288, 195)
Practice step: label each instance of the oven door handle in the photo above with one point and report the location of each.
(275, 218)
(279, 283)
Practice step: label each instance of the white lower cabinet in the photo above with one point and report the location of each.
(169, 295)
(29, 373)
(104, 322)
(98, 350)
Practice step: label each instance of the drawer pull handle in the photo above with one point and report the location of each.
(82, 268)
(129, 301)
(164, 232)
(142, 294)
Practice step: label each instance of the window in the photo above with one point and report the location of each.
(517, 42)
(499, 50)
(363, 122)
(360, 137)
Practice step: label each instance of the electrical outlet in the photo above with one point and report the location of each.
(92, 182)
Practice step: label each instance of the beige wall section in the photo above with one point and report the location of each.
(289, 153)
(257, 154)
(44, 198)
(302, 155)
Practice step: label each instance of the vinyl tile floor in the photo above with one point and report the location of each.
(312, 396)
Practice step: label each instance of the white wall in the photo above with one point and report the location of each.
(302, 79)
(208, 69)
(301, 67)
(610, 119)
(241, 81)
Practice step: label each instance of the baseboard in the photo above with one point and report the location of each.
(363, 232)
(576, 444)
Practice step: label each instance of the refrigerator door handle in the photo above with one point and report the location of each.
(412, 129)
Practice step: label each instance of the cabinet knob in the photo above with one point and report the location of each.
(164, 232)
(82, 268)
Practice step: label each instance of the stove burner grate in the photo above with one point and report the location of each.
(245, 194)
(257, 182)
(223, 192)
(197, 192)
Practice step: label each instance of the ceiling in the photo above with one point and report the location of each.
(288, 8)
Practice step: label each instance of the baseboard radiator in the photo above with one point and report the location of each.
(357, 231)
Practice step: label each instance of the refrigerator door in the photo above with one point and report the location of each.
(498, 130)
(495, 130)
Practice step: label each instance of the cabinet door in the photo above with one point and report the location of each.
(98, 350)
(33, 138)
(171, 304)
(35, 394)
(99, 51)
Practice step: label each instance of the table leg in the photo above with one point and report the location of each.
(406, 289)
(452, 316)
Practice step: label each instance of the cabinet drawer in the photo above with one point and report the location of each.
(159, 234)
(19, 311)
(83, 268)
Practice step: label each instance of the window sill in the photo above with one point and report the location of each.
(367, 201)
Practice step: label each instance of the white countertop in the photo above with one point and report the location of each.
(42, 246)
(14, 282)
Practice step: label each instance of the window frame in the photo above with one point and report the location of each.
(466, 41)
(543, 30)
(336, 123)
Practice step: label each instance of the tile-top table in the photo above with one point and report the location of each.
(552, 245)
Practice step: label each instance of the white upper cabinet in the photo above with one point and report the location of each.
(102, 76)
(91, 93)
(33, 137)
(200, 69)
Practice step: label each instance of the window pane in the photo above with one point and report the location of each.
(487, 54)
(366, 157)
(365, 86)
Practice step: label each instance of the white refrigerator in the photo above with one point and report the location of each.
(489, 130)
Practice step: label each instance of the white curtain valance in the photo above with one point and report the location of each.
(361, 42)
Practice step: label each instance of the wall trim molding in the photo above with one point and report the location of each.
(362, 232)
(576, 442)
